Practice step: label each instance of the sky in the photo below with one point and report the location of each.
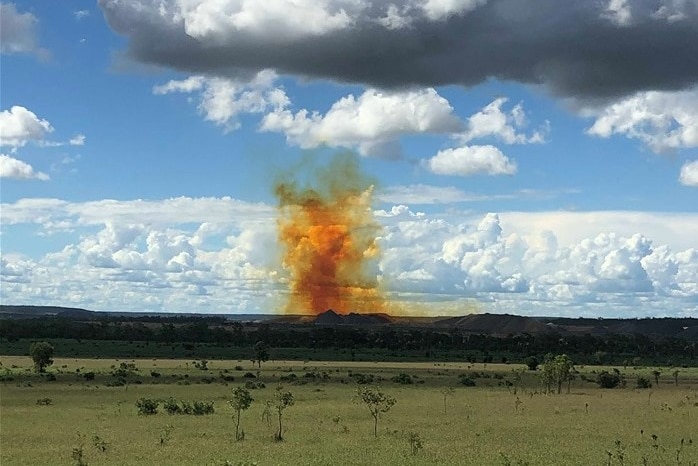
(534, 158)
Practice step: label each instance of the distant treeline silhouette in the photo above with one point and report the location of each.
(428, 342)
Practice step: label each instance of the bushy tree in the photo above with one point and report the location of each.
(41, 353)
(643, 382)
(532, 363)
(557, 370)
(564, 371)
(607, 379)
(377, 402)
(240, 402)
(261, 353)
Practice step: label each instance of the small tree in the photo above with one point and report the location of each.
(41, 353)
(517, 379)
(447, 392)
(282, 400)
(548, 375)
(532, 363)
(261, 353)
(415, 442)
(377, 402)
(676, 377)
(557, 370)
(656, 375)
(240, 402)
(563, 370)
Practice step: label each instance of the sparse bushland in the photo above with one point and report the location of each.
(476, 430)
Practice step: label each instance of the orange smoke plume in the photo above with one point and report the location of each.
(328, 236)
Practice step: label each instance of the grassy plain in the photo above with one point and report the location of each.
(483, 425)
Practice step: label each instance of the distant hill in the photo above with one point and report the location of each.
(489, 324)
(330, 317)
(27, 312)
(23, 312)
(496, 324)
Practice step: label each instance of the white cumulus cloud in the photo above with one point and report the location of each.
(224, 100)
(217, 21)
(471, 160)
(372, 123)
(13, 168)
(663, 120)
(689, 174)
(19, 125)
(492, 121)
(168, 254)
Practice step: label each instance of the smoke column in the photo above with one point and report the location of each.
(328, 235)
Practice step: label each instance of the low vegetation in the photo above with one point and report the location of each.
(345, 413)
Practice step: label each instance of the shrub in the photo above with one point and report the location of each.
(119, 382)
(362, 379)
(44, 401)
(147, 407)
(249, 375)
(125, 369)
(415, 442)
(201, 408)
(643, 382)
(154, 374)
(252, 385)
(99, 443)
(402, 378)
(203, 365)
(607, 379)
(238, 368)
(186, 407)
(466, 380)
(88, 375)
(165, 434)
(171, 406)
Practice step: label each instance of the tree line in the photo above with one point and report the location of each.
(430, 343)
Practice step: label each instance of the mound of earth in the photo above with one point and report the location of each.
(496, 324)
(330, 317)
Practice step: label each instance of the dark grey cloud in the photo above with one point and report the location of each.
(581, 50)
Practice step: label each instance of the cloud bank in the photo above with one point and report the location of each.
(219, 255)
(586, 51)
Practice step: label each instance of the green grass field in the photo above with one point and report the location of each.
(483, 425)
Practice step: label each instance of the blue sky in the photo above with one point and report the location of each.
(521, 165)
